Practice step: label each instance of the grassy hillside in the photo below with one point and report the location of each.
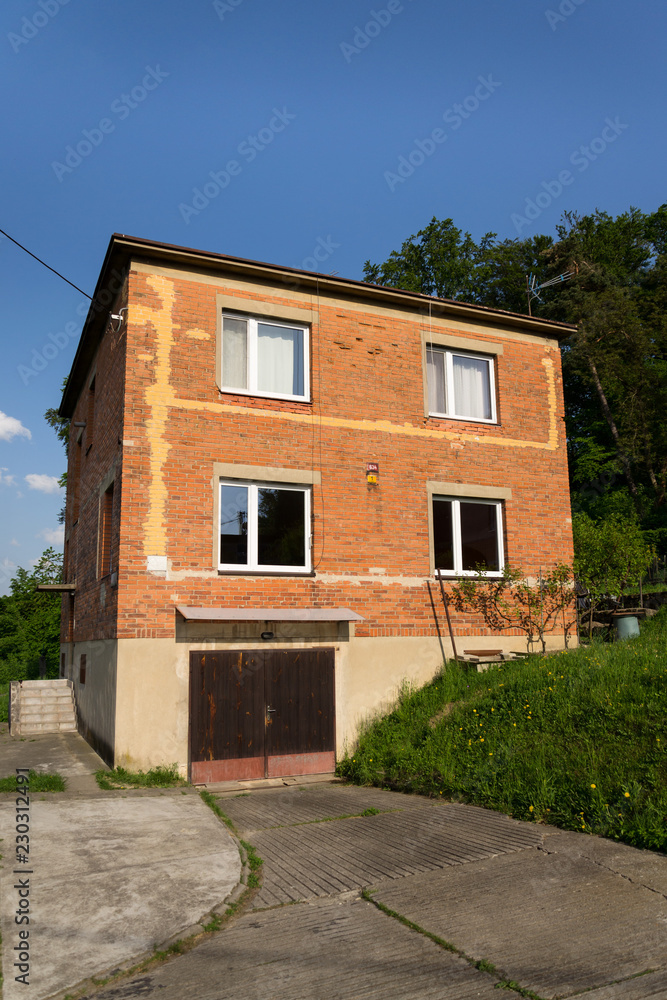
(576, 739)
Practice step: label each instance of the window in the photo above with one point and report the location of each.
(460, 385)
(104, 542)
(264, 357)
(467, 535)
(264, 527)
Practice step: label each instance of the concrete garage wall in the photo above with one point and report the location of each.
(96, 698)
(152, 705)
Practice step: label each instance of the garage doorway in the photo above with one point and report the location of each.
(261, 713)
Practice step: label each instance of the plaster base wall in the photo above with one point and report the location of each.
(151, 708)
(96, 698)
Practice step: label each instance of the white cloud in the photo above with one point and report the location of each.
(10, 427)
(54, 536)
(45, 484)
(7, 571)
(14, 542)
(6, 480)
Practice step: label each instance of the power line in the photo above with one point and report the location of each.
(46, 265)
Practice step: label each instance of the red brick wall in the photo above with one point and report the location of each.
(363, 367)
(95, 601)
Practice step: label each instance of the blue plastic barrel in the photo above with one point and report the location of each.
(626, 626)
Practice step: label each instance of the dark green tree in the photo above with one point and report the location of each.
(615, 365)
(30, 621)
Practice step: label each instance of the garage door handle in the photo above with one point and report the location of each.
(269, 709)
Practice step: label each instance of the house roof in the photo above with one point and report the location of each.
(122, 250)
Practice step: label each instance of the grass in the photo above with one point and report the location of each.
(157, 777)
(4, 702)
(37, 782)
(576, 739)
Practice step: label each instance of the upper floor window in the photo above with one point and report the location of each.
(460, 385)
(264, 358)
(264, 527)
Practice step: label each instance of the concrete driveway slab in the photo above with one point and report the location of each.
(317, 859)
(341, 949)
(308, 803)
(554, 923)
(109, 878)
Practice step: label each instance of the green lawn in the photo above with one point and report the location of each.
(576, 739)
(157, 777)
(37, 782)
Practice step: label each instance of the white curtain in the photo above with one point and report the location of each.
(435, 380)
(235, 353)
(279, 360)
(471, 387)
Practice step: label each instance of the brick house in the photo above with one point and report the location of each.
(266, 466)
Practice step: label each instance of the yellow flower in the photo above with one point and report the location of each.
(627, 794)
(530, 808)
(592, 786)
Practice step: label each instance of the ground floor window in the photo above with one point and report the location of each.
(264, 527)
(467, 535)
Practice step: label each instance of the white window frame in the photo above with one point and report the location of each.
(449, 354)
(252, 356)
(252, 565)
(456, 535)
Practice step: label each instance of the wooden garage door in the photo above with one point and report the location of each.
(261, 713)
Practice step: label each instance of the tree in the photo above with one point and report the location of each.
(30, 621)
(61, 427)
(614, 366)
(608, 554)
(512, 601)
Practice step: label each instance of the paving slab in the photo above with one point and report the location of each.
(111, 874)
(341, 949)
(557, 924)
(652, 986)
(66, 754)
(318, 859)
(288, 806)
(646, 868)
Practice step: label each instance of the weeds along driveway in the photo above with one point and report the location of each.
(371, 893)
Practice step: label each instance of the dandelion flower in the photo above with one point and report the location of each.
(530, 809)
(593, 786)
(627, 794)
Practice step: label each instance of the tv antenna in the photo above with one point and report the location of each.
(533, 289)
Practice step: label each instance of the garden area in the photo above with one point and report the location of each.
(575, 739)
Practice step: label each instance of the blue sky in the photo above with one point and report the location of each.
(271, 130)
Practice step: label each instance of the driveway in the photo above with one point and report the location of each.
(368, 893)
(110, 874)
